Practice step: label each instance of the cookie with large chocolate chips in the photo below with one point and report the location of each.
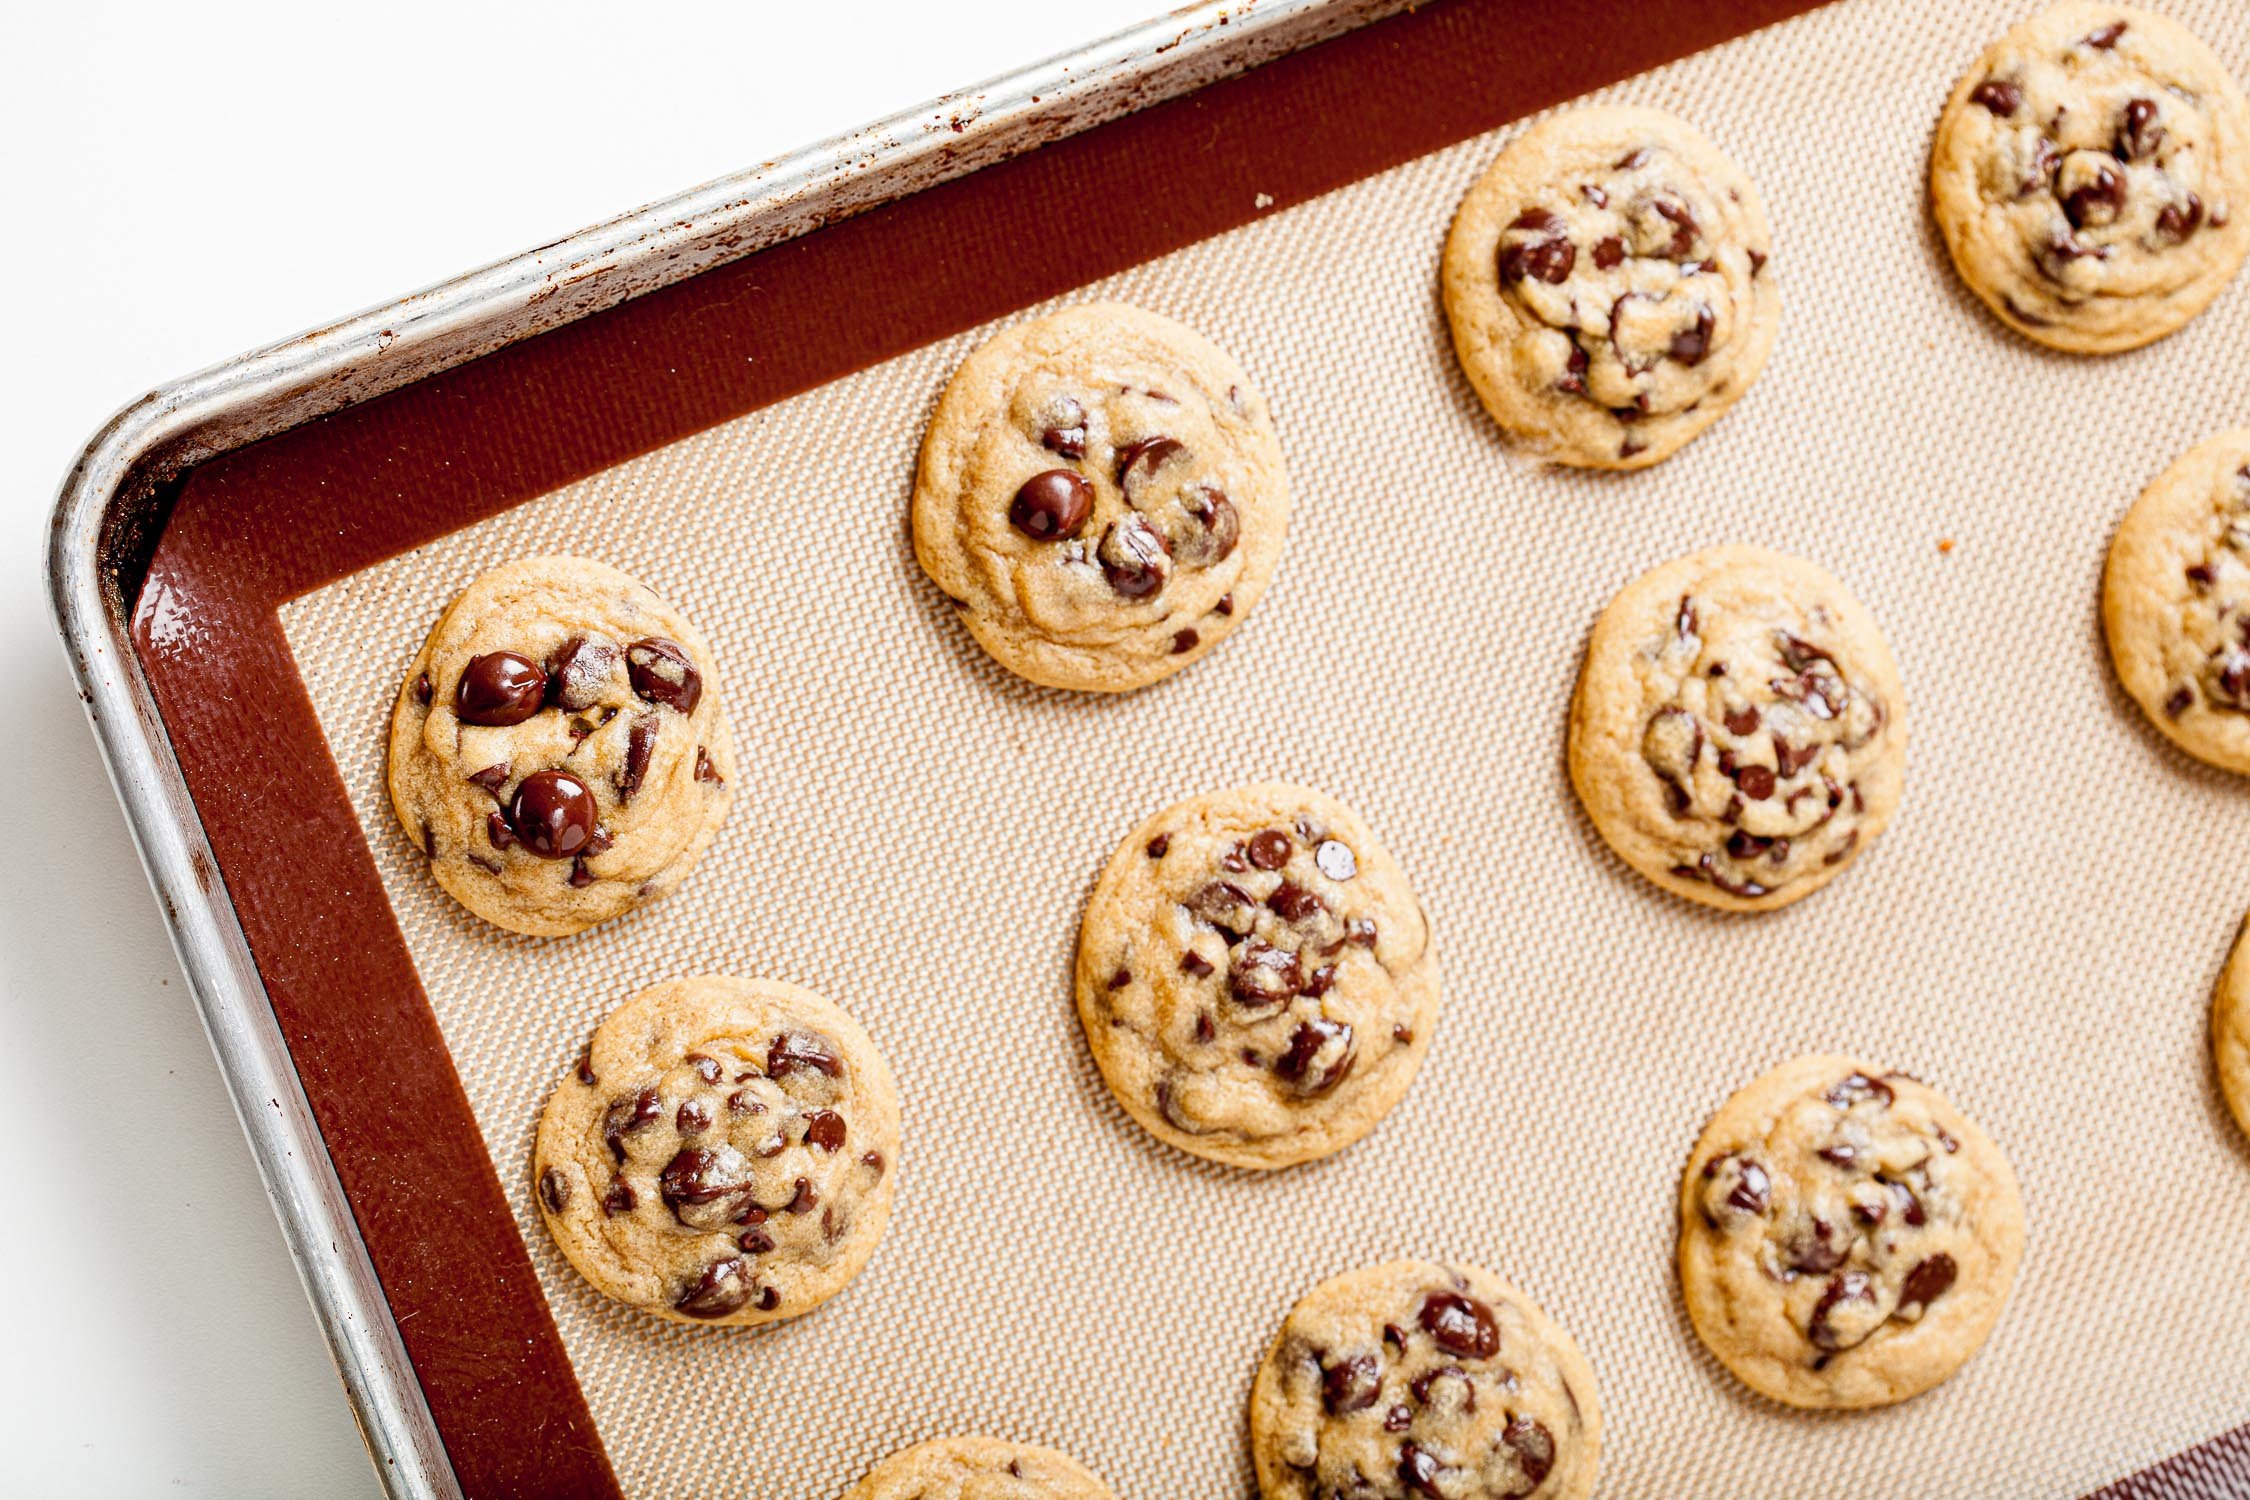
(1102, 492)
(1847, 1237)
(2176, 601)
(1256, 979)
(2230, 1030)
(1408, 1380)
(558, 751)
(724, 1153)
(1739, 731)
(2091, 176)
(979, 1468)
(1610, 287)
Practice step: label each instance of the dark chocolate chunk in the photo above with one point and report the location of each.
(640, 744)
(554, 1190)
(1320, 1056)
(577, 670)
(1461, 1325)
(1927, 1282)
(1351, 1385)
(723, 1288)
(661, 673)
(794, 1050)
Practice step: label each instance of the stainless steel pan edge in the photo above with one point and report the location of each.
(115, 491)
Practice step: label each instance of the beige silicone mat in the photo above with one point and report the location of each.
(2037, 934)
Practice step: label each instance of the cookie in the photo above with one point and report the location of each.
(1256, 980)
(724, 1153)
(1412, 1379)
(2230, 1029)
(1739, 733)
(2091, 176)
(1102, 494)
(1847, 1237)
(2176, 601)
(979, 1468)
(558, 751)
(1609, 285)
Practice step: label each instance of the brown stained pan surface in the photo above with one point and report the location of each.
(271, 521)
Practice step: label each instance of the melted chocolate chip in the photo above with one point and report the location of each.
(1138, 464)
(794, 1050)
(723, 1288)
(1842, 1291)
(1134, 558)
(627, 1114)
(1052, 506)
(1998, 96)
(2177, 221)
(553, 813)
(1217, 527)
(498, 689)
(1821, 1250)
(754, 1241)
(1361, 932)
(1547, 255)
(2106, 38)
(1743, 720)
(2138, 134)
(1351, 1385)
(1609, 253)
(1534, 1446)
(693, 1117)
(1225, 906)
(1927, 1282)
(1684, 227)
(804, 1200)
(700, 1174)
(1192, 962)
(1263, 975)
(1184, 641)
(1159, 846)
(1065, 434)
(1752, 1190)
(1293, 903)
(1461, 1325)
(1269, 850)
(492, 777)
(554, 1190)
(1858, 1088)
(640, 745)
(577, 671)
(497, 830)
(661, 673)
(1690, 345)
(2095, 201)
(619, 1198)
(824, 1128)
(1419, 1471)
(1321, 1054)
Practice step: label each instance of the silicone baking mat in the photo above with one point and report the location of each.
(917, 831)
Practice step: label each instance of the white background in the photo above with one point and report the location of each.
(177, 184)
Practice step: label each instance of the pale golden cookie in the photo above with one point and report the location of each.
(1407, 1380)
(979, 1468)
(1256, 980)
(2230, 1030)
(1102, 493)
(1847, 1237)
(558, 750)
(2091, 176)
(1608, 285)
(1739, 732)
(724, 1153)
(2176, 601)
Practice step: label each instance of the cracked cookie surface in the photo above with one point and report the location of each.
(1738, 734)
(1102, 493)
(1847, 1237)
(2091, 176)
(979, 1468)
(558, 751)
(2230, 1029)
(1257, 982)
(1412, 1379)
(723, 1153)
(2176, 601)
(1610, 288)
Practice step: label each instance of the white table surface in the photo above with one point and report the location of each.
(178, 183)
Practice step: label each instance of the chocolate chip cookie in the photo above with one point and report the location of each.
(1412, 1379)
(979, 1468)
(1610, 287)
(1257, 982)
(2230, 1029)
(2091, 176)
(1739, 733)
(558, 751)
(2176, 601)
(1847, 1237)
(723, 1153)
(1102, 493)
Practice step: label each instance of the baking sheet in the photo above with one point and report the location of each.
(917, 832)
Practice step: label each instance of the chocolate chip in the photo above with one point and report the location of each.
(1684, 227)
(1225, 906)
(1910, 1207)
(2095, 201)
(661, 673)
(2106, 37)
(585, 1069)
(873, 1161)
(1139, 464)
(1225, 606)
(422, 689)
(1461, 1325)
(1573, 382)
(1534, 1447)
(626, 1114)
(1549, 257)
(1065, 432)
(1184, 641)
(1192, 962)
(1360, 931)
(1052, 506)
(1419, 1471)
(2177, 221)
(702, 1174)
(693, 1117)
(1159, 846)
(554, 1188)
(1351, 1385)
(1822, 1250)
(1320, 1056)
(1926, 1283)
(1120, 979)
(618, 1198)
(1858, 1088)
(1752, 1190)
(1690, 345)
(1743, 720)
(1840, 1293)
(553, 813)
(1791, 759)
(1135, 558)
(1205, 1028)
(2139, 135)
(640, 744)
(1609, 252)
(804, 1200)
(723, 1288)
(824, 1128)
(1319, 982)
(754, 1241)
(1217, 527)
(1998, 96)
(2178, 703)
(1262, 975)
(498, 689)
(1839, 1154)
(1293, 903)
(706, 1066)
(768, 1299)
(577, 671)
(1335, 860)
(1269, 850)
(497, 830)
(704, 770)
(1421, 1386)
(794, 1050)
